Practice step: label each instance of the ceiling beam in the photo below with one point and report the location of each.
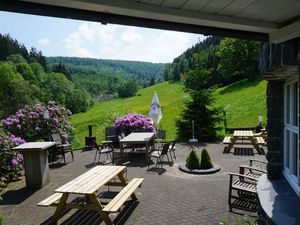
(104, 18)
(285, 33)
(148, 11)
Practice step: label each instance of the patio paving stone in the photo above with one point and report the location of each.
(167, 195)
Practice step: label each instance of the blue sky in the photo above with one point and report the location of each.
(65, 37)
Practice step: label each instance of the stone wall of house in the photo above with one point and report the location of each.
(273, 57)
(275, 128)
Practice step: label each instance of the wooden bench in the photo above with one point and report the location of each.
(51, 201)
(244, 196)
(227, 140)
(260, 140)
(115, 204)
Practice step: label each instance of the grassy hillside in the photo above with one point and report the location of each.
(103, 114)
(243, 102)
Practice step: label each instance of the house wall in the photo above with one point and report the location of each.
(272, 58)
(275, 128)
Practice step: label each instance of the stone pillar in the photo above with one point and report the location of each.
(275, 110)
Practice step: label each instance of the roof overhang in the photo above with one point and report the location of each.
(155, 14)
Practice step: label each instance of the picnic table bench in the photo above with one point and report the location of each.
(87, 185)
(244, 137)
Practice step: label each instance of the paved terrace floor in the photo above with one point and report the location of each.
(167, 196)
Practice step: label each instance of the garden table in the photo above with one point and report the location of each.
(142, 138)
(87, 186)
(36, 163)
(244, 137)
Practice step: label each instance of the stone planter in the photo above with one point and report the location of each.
(214, 169)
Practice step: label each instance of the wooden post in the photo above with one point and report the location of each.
(225, 121)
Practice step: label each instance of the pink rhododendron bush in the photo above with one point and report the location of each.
(10, 160)
(29, 123)
(133, 122)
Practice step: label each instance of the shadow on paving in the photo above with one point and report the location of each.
(93, 218)
(243, 151)
(138, 160)
(15, 197)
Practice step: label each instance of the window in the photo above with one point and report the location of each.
(291, 135)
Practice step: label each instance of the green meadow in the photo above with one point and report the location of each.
(103, 114)
(243, 102)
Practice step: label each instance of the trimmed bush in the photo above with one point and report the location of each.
(192, 161)
(205, 160)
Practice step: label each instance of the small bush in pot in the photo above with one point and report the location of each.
(192, 161)
(205, 160)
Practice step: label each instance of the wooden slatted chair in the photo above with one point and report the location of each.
(255, 168)
(242, 192)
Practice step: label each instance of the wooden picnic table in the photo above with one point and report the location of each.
(244, 137)
(87, 185)
(141, 138)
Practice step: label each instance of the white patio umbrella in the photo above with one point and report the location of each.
(155, 110)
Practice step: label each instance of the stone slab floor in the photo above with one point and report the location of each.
(167, 195)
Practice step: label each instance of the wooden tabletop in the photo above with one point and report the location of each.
(92, 180)
(243, 133)
(34, 146)
(138, 137)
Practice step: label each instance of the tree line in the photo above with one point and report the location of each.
(101, 77)
(28, 77)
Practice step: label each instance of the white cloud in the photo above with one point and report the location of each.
(131, 35)
(127, 43)
(44, 41)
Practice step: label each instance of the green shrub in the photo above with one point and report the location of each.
(192, 161)
(1, 216)
(205, 160)
(1, 220)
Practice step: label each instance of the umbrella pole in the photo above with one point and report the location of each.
(193, 140)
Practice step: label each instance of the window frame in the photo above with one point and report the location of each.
(291, 128)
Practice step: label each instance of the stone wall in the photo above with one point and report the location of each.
(275, 128)
(276, 61)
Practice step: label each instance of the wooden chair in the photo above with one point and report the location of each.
(255, 168)
(242, 192)
(61, 148)
(159, 154)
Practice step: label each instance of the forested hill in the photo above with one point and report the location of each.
(223, 60)
(84, 69)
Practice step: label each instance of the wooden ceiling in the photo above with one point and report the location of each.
(267, 20)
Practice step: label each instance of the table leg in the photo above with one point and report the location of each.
(147, 152)
(96, 203)
(60, 207)
(256, 146)
(230, 146)
(121, 152)
(124, 181)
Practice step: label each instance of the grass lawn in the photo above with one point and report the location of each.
(103, 114)
(243, 102)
